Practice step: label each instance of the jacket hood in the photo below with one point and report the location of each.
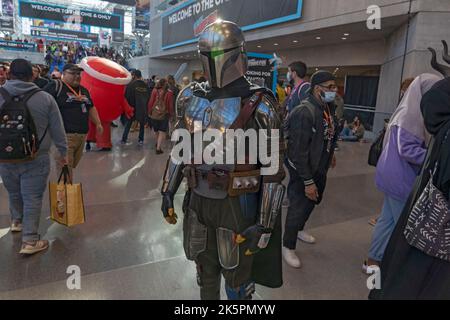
(18, 87)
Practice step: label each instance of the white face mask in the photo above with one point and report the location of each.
(289, 76)
(329, 96)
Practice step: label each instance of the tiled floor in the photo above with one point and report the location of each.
(125, 250)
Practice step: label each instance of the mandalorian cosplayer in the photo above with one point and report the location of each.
(232, 221)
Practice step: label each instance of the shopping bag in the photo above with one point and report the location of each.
(66, 201)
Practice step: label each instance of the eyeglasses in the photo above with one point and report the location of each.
(331, 87)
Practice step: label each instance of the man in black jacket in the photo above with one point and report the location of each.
(311, 142)
(137, 95)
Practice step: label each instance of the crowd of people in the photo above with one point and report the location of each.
(59, 53)
(407, 162)
(314, 123)
(61, 113)
(153, 101)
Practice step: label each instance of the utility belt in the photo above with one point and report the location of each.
(235, 183)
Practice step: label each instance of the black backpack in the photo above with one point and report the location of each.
(18, 135)
(376, 149)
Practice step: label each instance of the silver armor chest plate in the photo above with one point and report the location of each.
(202, 114)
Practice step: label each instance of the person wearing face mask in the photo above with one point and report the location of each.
(311, 144)
(296, 74)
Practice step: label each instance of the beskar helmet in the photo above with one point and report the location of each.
(222, 52)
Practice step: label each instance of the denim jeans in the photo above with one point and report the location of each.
(392, 209)
(26, 183)
(347, 135)
(128, 127)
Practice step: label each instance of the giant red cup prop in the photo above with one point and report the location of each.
(106, 82)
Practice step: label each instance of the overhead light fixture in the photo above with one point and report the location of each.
(275, 44)
(346, 34)
(344, 38)
(318, 38)
(259, 46)
(295, 41)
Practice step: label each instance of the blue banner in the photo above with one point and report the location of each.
(183, 24)
(45, 11)
(18, 46)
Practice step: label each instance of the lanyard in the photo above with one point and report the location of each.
(78, 95)
(327, 115)
(331, 128)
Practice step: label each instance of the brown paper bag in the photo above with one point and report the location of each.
(66, 201)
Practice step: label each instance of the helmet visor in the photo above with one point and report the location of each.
(213, 64)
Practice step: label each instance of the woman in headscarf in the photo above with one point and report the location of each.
(407, 272)
(399, 165)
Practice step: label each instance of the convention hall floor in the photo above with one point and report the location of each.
(125, 250)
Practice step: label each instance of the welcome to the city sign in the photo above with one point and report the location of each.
(182, 24)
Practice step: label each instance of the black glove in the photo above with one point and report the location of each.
(168, 209)
(257, 236)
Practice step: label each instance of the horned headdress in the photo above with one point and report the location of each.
(443, 69)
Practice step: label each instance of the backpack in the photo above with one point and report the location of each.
(285, 105)
(18, 135)
(159, 111)
(376, 149)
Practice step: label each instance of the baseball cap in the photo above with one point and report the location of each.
(320, 77)
(72, 67)
(21, 68)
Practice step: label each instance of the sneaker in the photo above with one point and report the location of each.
(306, 237)
(291, 258)
(141, 143)
(123, 142)
(159, 152)
(16, 226)
(34, 247)
(88, 146)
